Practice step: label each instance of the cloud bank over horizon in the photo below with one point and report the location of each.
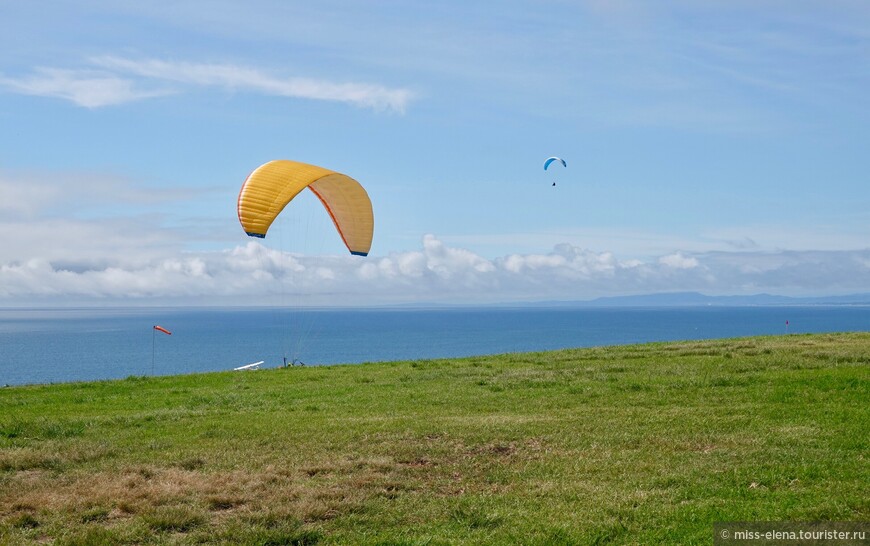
(89, 238)
(254, 274)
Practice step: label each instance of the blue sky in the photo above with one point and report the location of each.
(717, 146)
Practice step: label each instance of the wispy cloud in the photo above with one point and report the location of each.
(89, 218)
(40, 194)
(229, 76)
(87, 88)
(111, 80)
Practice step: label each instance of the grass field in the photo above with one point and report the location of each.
(638, 444)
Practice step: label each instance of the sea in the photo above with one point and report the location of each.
(84, 344)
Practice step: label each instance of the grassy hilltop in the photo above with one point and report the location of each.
(637, 444)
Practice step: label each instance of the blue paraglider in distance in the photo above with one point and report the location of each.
(552, 159)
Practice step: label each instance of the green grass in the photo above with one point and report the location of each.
(638, 444)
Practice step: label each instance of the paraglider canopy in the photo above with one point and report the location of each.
(552, 159)
(273, 185)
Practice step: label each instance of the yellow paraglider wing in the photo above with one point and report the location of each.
(273, 185)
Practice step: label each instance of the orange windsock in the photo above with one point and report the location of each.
(162, 329)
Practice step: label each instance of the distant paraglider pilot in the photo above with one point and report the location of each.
(551, 160)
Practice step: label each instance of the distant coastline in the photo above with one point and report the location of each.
(696, 298)
(667, 299)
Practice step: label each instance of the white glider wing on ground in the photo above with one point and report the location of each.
(253, 366)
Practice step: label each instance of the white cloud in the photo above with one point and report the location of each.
(116, 80)
(678, 261)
